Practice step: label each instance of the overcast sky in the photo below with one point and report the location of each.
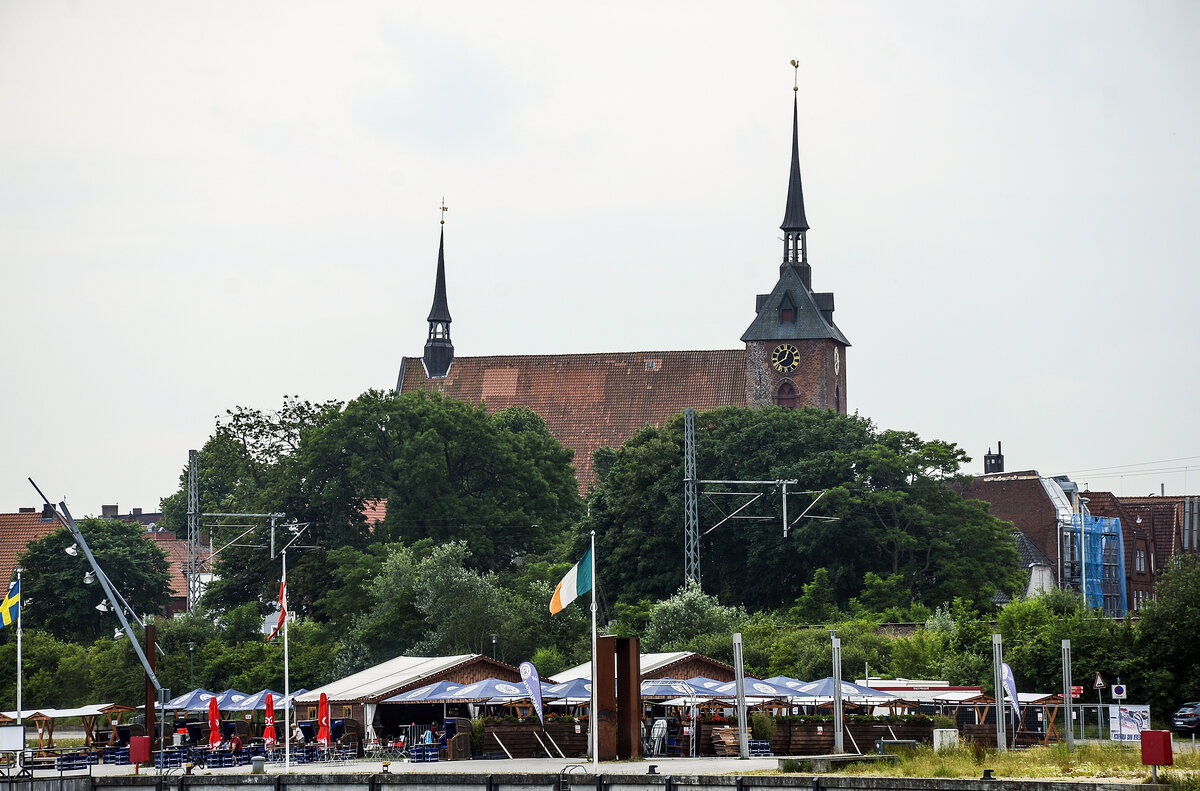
(205, 205)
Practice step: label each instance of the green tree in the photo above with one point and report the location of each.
(815, 605)
(53, 594)
(1167, 638)
(887, 506)
(449, 471)
(686, 615)
(56, 673)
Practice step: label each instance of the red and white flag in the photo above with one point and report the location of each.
(282, 609)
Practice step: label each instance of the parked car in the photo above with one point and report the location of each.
(1187, 719)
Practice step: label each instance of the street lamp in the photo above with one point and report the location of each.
(493, 645)
(72, 550)
(88, 578)
(191, 668)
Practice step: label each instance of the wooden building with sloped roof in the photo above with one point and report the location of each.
(358, 695)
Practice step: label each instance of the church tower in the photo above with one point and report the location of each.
(439, 351)
(795, 354)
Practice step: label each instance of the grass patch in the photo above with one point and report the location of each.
(1087, 760)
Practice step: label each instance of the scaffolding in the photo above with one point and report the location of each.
(1097, 561)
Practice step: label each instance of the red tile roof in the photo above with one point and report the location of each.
(176, 549)
(1165, 514)
(375, 510)
(591, 401)
(16, 531)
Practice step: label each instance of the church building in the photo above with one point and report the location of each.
(793, 355)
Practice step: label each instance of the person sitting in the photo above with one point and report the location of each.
(297, 734)
(235, 744)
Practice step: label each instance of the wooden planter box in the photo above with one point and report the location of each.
(816, 738)
(521, 741)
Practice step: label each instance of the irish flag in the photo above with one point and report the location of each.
(577, 582)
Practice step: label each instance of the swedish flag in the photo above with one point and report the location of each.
(11, 604)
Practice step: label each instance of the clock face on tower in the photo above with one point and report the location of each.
(785, 358)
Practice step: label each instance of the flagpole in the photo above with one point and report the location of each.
(287, 689)
(595, 711)
(19, 668)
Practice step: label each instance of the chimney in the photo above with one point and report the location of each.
(48, 512)
(994, 462)
(27, 510)
(108, 511)
(137, 511)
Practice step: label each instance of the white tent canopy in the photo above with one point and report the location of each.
(649, 663)
(384, 678)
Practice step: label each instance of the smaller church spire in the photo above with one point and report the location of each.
(439, 351)
(795, 224)
(440, 310)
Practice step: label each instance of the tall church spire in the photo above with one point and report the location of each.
(439, 351)
(795, 224)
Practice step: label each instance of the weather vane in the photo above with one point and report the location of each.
(796, 66)
(444, 210)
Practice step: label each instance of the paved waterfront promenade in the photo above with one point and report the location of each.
(665, 766)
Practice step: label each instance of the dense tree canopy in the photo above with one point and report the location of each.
(449, 471)
(893, 530)
(53, 592)
(483, 519)
(1168, 648)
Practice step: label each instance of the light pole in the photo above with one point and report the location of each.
(191, 664)
(493, 645)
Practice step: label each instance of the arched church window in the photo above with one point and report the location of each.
(785, 396)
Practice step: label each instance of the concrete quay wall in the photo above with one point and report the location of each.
(447, 781)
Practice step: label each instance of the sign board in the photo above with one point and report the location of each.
(1077, 691)
(12, 737)
(1126, 723)
(1118, 692)
(1099, 682)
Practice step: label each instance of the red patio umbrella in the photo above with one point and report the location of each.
(214, 723)
(323, 720)
(269, 731)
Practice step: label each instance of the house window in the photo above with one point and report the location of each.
(1140, 562)
(786, 396)
(347, 712)
(312, 712)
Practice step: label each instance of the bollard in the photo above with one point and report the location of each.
(258, 765)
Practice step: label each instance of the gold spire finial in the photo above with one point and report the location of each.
(796, 66)
(444, 210)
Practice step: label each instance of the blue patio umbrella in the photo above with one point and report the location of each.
(196, 700)
(491, 689)
(755, 689)
(705, 685)
(788, 682)
(576, 688)
(258, 701)
(438, 691)
(231, 700)
(853, 693)
(666, 688)
(290, 700)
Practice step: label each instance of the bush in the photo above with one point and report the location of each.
(477, 734)
(762, 726)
